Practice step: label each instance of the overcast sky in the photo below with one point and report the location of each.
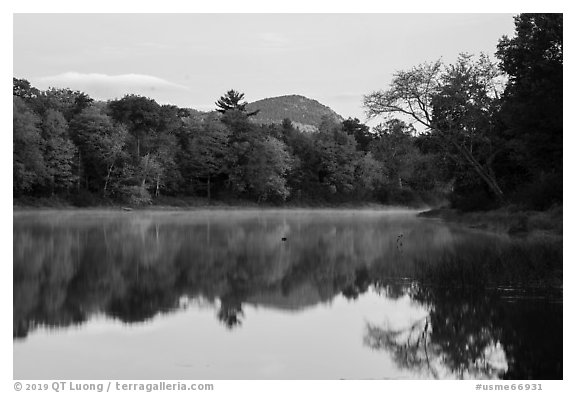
(192, 59)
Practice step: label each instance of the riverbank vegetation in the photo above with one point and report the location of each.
(475, 134)
(505, 220)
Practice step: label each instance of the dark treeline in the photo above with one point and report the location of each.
(133, 150)
(493, 136)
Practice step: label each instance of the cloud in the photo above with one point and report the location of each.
(103, 86)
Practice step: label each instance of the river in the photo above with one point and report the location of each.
(271, 294)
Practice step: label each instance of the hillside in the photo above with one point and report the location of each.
(304, 113)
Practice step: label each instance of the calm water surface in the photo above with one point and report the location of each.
(221, 295)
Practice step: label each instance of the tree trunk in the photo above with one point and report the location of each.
(485, 175)
(79, 171)
(208, 189)
(107, 178)
(145, 171)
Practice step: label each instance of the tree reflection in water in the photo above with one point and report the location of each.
(458, 339)
(230, 312)
(67, 269)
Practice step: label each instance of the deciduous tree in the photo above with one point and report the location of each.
(338, 157)
(59, 152)
(101, 144)
(532, 109)
(456, 103)
(29, 167)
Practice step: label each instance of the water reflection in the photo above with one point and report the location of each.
(69, 267)
(483, 334)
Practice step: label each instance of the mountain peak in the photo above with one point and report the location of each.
(305, 113)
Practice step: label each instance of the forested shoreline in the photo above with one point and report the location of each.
(476, 134)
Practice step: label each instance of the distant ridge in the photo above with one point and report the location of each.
(304, 112)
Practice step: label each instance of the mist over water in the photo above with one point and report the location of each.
(272, 294)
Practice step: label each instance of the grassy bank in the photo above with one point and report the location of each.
(170, 202)
(506, 220)
(532, 257)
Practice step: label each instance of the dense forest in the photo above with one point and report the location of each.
(477, 133)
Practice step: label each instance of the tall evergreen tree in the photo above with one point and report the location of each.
(231, 101)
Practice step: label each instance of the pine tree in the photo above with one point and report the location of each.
(231, 101)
